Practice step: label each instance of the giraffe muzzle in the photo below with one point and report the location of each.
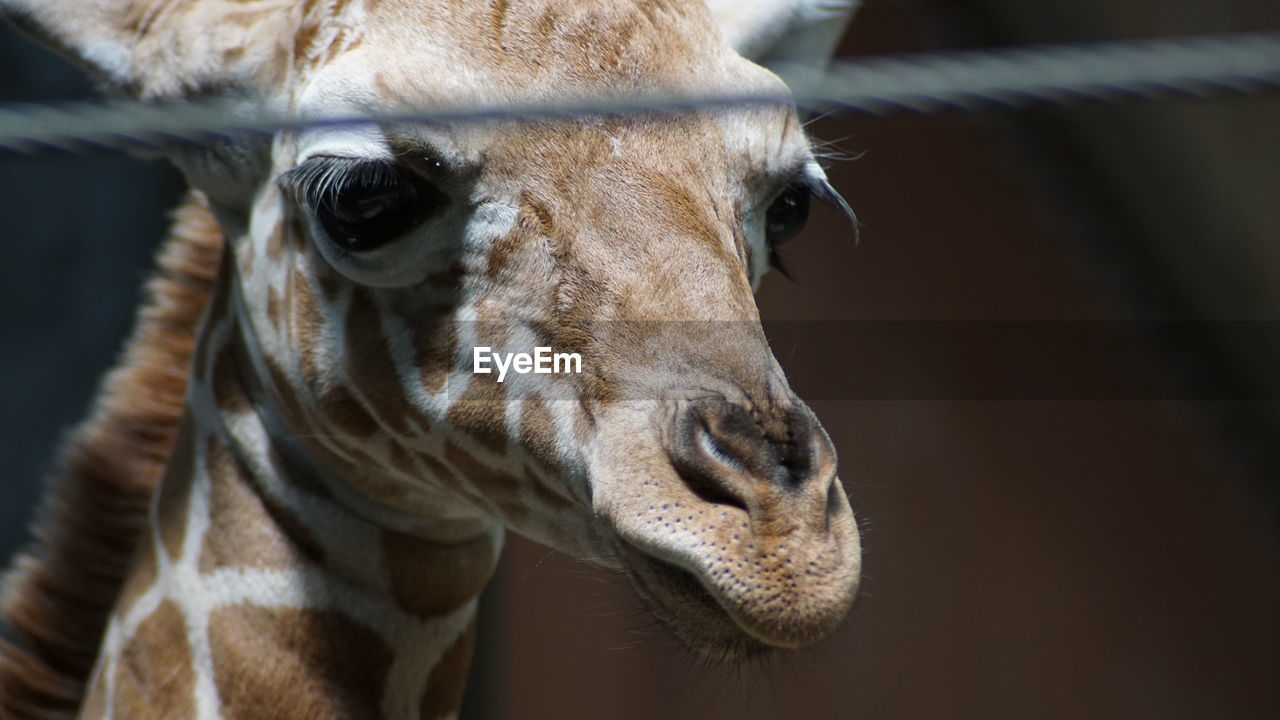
(746, 539)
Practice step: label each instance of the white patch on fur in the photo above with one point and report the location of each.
(111, 57)
(356, 141)
(490, 221)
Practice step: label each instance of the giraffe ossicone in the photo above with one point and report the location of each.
(335, 495)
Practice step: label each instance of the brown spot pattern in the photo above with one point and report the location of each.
(306, 49)
(228, 392)
(481, 412)
(371, 366)
(501, 252)
(538, 431)
(242, 532)
(498, 19)
(435, 354)
(499, 488)
(402, 461)
(288, 662)
(539, 213)
(303, 41)
(347, 414)
(154, 675)
(275, 243)
(274, 315)
(430, 579)
(448, 479)
(305, 322)
(448, 278)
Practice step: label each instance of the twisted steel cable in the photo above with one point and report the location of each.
(1198, 66)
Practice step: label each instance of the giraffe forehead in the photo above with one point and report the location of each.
(532, 52)
(392, 51)
(728, 156)
(551, 41)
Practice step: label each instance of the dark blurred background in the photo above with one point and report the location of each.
(81, 232)
(1048, 366)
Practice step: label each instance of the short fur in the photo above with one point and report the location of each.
(720, 498)
(60, 592)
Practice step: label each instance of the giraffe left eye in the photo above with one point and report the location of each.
(363, 205)
(787, 215)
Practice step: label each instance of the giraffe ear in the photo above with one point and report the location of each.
(783, 31)
(151, 50)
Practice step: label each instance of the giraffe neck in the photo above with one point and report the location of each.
(260, 592)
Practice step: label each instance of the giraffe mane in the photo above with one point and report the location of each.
(58, 595)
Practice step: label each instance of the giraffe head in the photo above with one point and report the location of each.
(366, 265)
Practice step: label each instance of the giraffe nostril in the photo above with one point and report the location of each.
(723, 452)
(707, 465)
(708, 443)
(702, 464)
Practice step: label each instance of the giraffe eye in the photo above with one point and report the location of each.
(787, 215)
(363, 205)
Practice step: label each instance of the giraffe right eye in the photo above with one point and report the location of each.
(362, 205)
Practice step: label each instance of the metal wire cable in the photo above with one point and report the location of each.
(1202, 66)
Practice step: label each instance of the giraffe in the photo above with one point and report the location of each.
(303, 519)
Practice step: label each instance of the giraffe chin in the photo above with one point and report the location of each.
(688, 610)
(692, 612)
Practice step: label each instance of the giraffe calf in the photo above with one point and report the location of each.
(298, 483)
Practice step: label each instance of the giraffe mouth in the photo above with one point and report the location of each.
(678, 599)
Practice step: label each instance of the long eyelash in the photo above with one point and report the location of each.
(323, 177)
(822, 190)
(778, 262)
